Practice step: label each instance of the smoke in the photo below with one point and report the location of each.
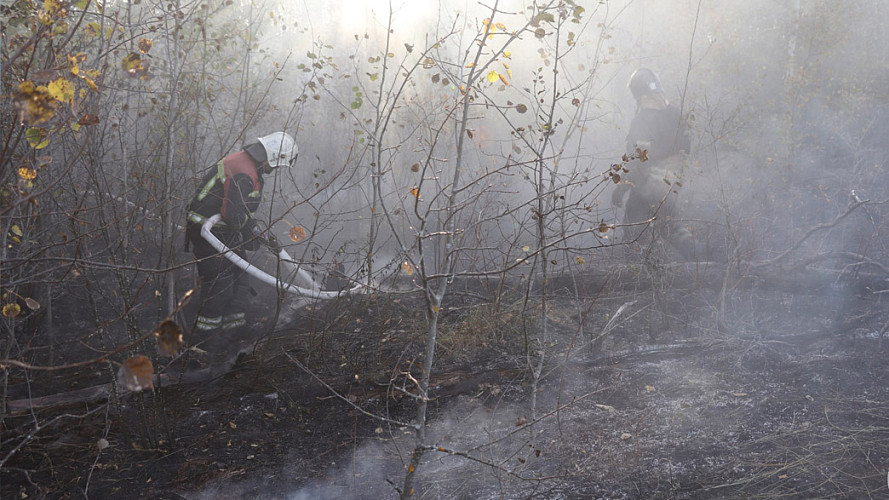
(785, 102)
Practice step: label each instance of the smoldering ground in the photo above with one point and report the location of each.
(750, 381)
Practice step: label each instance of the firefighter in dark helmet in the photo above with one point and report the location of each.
(233, 189)
(658, 140)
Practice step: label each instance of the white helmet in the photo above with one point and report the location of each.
(280, 149)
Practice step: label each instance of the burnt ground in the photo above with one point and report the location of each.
(752, 393)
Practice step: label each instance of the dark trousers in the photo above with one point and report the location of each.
(222, 297)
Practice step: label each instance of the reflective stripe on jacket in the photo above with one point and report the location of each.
(216, 195)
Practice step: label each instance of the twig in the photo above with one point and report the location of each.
(810, 232)
(340, 396)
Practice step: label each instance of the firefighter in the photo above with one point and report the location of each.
(233, 188)
(657, 144)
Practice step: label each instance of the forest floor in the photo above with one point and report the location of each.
(693, 394)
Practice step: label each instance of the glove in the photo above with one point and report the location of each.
(250, 242)
(251, 236)
(273, 244)
(617, 196)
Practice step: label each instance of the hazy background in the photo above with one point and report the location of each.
(785, 101)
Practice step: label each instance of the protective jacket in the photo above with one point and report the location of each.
(233, 189)
(660, 131)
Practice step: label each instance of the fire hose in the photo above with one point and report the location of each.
(314, 292)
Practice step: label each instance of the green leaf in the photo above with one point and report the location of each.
(37, 138)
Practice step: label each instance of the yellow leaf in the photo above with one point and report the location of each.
(507, 54)
(90, 82)
(61, 90)
(52, 6)
(27, 173)
(297, 234)
(73, 67)
(581, 261)
(493, 76)
(470, 65)
(526, 248)
(16, 230)
(649, 388)
(415, 191)
(503, 79)
(407, 268)
(11, 310)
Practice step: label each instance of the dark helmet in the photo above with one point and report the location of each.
(644, 81)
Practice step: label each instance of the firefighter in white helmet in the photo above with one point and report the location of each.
(234, 189)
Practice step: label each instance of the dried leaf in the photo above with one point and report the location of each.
(415, 167)
(134, 65)
(297, 234)
(145, 45)
(88, 119)
(169, 338)
(32, 304)
(415, 192)
(136, 374)
(521, 108)
(407, 268)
